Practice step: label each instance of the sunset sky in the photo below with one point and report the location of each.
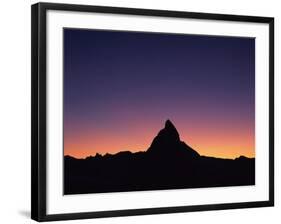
(121, 87)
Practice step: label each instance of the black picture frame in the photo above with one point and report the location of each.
(38, 108)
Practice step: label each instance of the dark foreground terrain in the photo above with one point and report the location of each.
(168, 163)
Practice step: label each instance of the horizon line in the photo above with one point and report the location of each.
(103, 154)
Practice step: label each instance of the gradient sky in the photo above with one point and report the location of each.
(121, 87)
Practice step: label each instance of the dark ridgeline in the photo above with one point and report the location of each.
(169, 163)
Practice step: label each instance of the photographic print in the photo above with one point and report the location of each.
(141, 111)
(157, 111)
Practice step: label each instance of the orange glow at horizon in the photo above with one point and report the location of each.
(230, 143)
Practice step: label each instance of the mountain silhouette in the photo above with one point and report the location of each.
(168, 163)
(168, 142)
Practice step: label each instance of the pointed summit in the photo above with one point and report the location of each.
(168, 142)
(170, 126)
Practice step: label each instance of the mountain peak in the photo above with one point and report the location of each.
(169, 124)
(168, 141)
(169, 131)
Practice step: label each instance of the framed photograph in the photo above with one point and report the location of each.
(139, 111)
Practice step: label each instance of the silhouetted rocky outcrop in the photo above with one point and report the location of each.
(168, 143)
(168, 163)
